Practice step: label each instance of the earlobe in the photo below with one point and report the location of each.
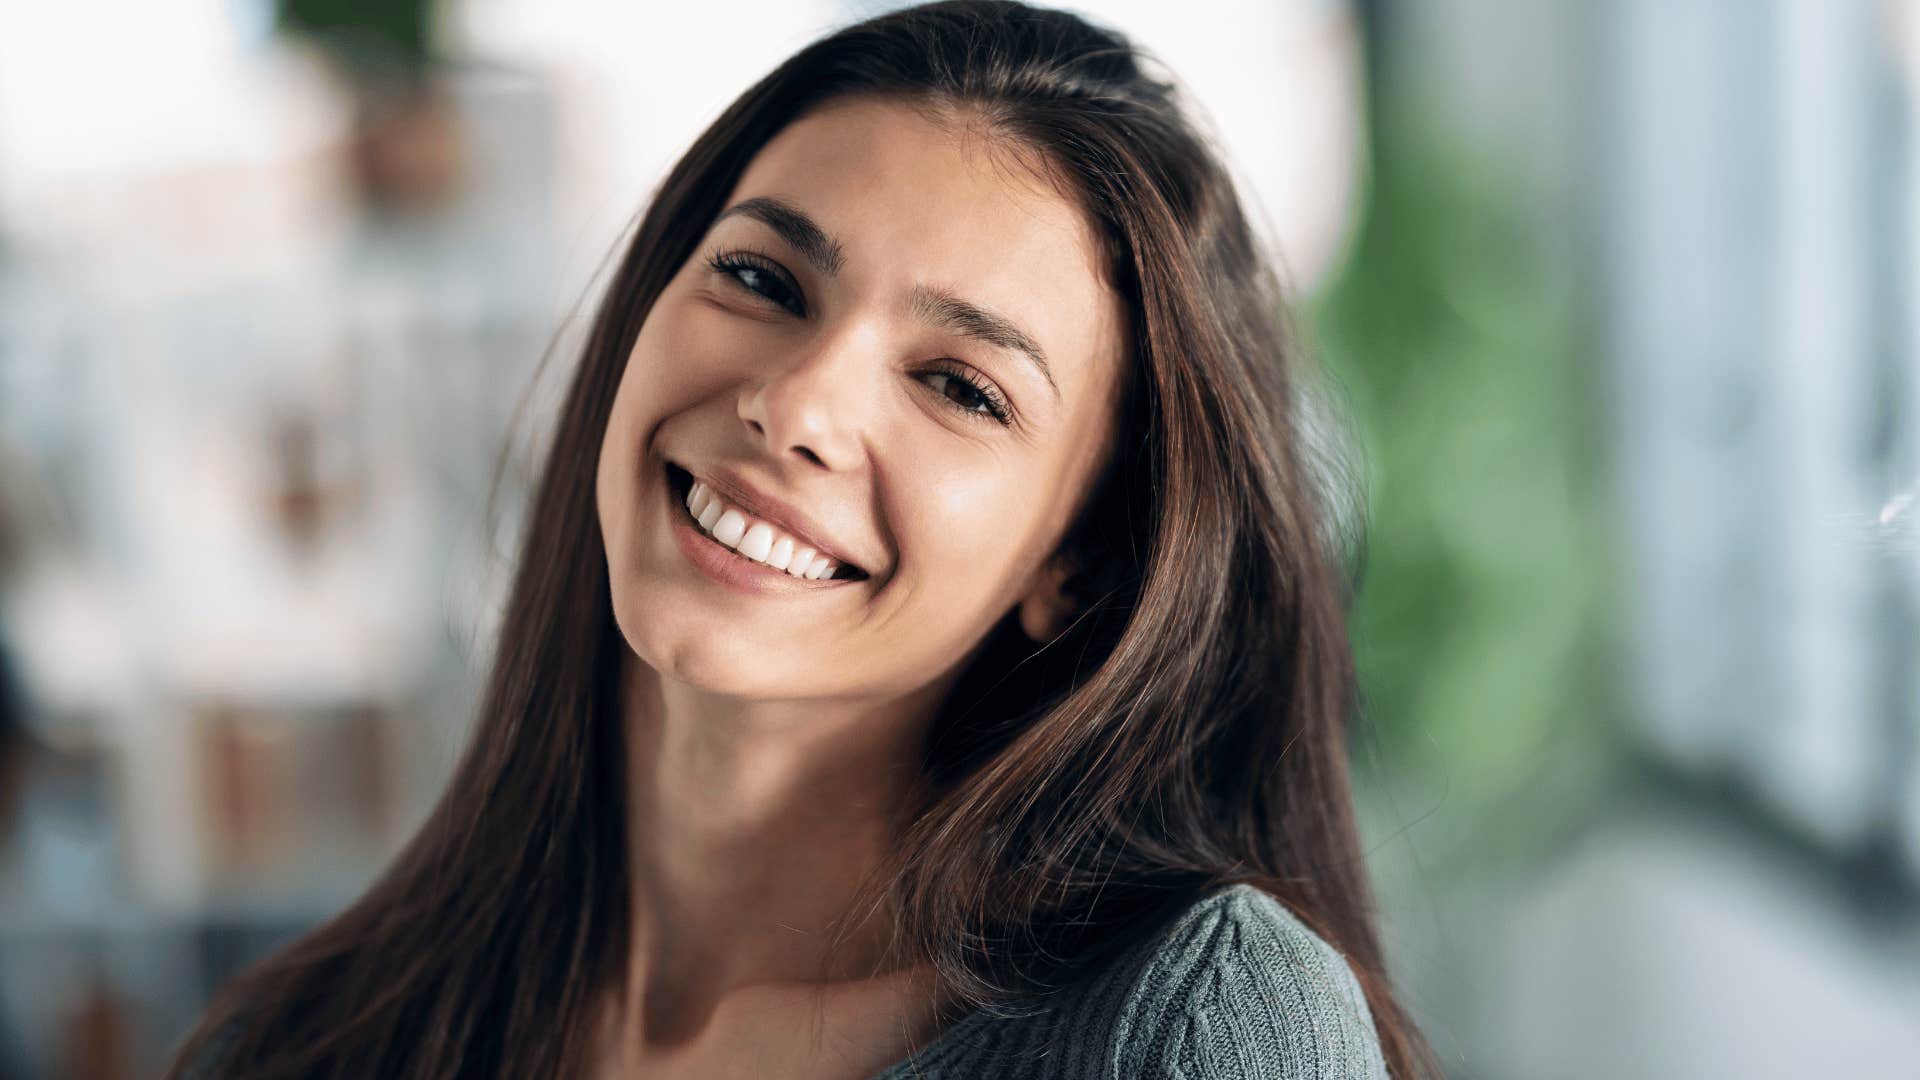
(1047, 608)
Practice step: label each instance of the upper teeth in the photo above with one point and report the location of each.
(755, 539)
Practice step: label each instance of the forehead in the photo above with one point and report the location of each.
(912, 201)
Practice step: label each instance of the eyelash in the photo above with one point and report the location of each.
(728, 264)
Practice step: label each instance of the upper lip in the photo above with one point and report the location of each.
(790, 519)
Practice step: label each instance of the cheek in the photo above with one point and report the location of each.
(957, 502)
(974, 530)
(687, 352)
(619, 459)
(662, 374)
(644, 399)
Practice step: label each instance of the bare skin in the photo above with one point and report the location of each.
(775, 729)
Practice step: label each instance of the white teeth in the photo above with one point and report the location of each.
(802, 561)
(757, 542)
(782, 553)
(730, 528)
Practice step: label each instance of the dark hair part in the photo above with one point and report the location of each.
(1188, 731)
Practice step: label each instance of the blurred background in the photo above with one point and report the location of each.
(1620, 296)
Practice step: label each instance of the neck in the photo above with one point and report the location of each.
(751, 826)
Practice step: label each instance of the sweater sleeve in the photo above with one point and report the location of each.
(1262, 998)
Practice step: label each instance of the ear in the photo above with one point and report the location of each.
(1048, 606)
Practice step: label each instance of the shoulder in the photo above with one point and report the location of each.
(1238, 986)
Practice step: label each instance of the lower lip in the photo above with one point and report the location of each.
(726, 566)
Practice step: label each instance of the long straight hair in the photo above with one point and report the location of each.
(1187, 732)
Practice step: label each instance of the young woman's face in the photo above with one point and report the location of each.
(893, 347)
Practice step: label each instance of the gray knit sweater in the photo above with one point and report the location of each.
(1236, 988)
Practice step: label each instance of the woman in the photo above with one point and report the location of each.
(926, 658)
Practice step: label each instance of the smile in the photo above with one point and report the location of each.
(760, 547)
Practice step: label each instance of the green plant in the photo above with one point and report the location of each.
(1482, 628)
(366, 35)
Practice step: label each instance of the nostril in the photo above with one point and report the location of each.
(809, 455)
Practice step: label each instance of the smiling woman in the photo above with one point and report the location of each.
(873, 391)
(927, 657)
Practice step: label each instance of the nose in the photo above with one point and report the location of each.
(808, 409)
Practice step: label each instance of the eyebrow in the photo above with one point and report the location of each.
(930, 303)
(795, 227)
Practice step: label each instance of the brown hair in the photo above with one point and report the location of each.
(1188, 730)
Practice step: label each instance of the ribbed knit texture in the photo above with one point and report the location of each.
(1237, 988)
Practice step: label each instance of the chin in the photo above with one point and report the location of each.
(716, 660)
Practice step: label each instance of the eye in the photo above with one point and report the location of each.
(970, 395)
(758, 275)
